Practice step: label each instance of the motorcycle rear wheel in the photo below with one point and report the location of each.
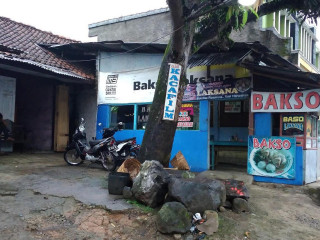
(72, 157)
(108, 161)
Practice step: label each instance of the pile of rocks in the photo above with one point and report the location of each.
(182, 198)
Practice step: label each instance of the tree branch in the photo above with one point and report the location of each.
(213, 36)
(199, 12)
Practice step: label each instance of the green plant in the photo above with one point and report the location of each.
(142, 207)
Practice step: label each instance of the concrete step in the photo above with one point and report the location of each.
(228, 174)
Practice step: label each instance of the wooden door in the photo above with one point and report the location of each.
(61, 131)
(7, 105)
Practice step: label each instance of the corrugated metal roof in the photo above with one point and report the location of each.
(304, 78)
(216, 58)
(112, 46)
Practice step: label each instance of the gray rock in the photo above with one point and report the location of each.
(222, 209)
(151, 184)
(177, 236)
(197, 196)
(211, 224)
(188, 237)
(127, 193)
(173, 217)
(240, 205)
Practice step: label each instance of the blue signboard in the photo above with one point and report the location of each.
(272, 156)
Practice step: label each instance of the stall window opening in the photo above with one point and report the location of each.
(123, 114)
(143, 116)
(234, 113)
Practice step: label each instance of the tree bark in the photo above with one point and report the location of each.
(159, 135)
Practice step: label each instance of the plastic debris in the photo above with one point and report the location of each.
(197, 217)
(193, 229)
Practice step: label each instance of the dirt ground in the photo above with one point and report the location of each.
(28, 211)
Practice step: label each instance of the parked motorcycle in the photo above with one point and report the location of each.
(121, 150)
(80, 149)
(107, 151)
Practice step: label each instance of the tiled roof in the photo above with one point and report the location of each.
(25, 41)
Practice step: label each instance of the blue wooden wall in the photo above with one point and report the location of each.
(194, 144)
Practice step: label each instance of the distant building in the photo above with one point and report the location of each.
(278, 31)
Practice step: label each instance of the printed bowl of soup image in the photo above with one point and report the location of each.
(243, 84)
(270, 162)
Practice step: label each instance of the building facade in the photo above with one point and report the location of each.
(217, 122)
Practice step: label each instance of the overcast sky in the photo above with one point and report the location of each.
(70, 18)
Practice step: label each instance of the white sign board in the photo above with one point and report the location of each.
(172, 91)
(130, 87)
(139, 86)
(303, 101)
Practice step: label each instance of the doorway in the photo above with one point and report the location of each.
(229, 122)
(61, 130)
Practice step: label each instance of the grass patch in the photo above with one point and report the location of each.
(142, 207)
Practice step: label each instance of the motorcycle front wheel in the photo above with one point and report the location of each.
(72, 157)
(108, 161)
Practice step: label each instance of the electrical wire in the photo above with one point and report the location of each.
(136, 70)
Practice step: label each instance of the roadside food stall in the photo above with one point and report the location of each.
(284, 146)
(204, 136)
(237, 105)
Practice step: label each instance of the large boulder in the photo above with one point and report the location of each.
(151, 184)
(173, 217)
(197, 196)
(240, 205)
(236, 189)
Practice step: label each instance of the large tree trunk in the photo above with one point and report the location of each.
(159, 135)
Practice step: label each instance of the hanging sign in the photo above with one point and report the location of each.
(186, 116)
(232, 107)
(216, 83)
(272, 156)
(292, 124)
(303, 101)
(127, 87)
(138, 86)
(172, 91)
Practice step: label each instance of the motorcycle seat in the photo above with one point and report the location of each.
(95, 142)
(125, 140)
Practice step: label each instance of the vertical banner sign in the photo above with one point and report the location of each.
(272, 156)
(172, 91)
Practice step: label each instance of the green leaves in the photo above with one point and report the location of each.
(244, 18)
(229, 14)
(238, 14)
(254, 12)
